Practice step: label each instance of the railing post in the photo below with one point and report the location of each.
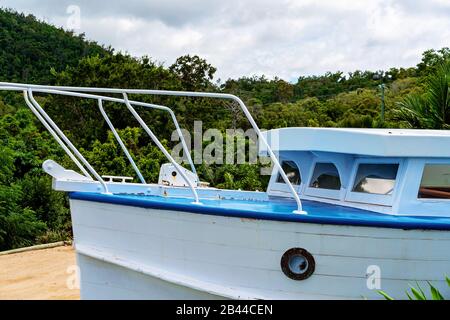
(271, 154)
(119, 140)
(67, 141)
(177, 126)
(54, 135)
(161, 147)
(183, 142)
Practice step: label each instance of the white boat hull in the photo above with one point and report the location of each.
(105, 280)
(129, 252)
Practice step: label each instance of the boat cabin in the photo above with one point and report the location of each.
(381, 170)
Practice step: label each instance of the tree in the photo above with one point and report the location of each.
(284, 90)
(430, 110)
(194, 72)
(432, 60)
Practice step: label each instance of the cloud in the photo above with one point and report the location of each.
(286, 38)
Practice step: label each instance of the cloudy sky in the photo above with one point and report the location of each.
(284, 38)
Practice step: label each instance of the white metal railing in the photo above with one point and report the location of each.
(58, 131)
(93, 93)
(120, 142)
(55, 136)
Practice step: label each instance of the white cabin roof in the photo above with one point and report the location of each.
(371, 142)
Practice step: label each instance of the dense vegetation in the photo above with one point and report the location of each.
(32, 51)
(29, 48)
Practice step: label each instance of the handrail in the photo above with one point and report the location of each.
(175, 121)
(54, 90)
(120, 142)
(53, 133)
(161, 147)
(67, 141)
(178, 168)
(177, 127)
(112, 99)
(182, 94)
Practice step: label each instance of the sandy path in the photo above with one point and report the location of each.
(39, 274)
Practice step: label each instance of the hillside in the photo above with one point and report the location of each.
(31, 48)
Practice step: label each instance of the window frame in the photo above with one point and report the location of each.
(278, 175)
(281, 187)
(373, 198)
(322, 192)
(425, 163)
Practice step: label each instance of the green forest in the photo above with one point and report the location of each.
(32, 51)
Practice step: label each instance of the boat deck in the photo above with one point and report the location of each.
(272, 209)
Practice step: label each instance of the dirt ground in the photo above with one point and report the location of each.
(39, 274)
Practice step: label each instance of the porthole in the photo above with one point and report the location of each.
(298, 264)
(174, 173)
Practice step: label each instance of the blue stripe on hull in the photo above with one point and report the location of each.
(278, 210)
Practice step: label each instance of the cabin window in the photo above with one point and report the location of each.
(325, 176)
(435, 182)
(292, 172)
(375, 178)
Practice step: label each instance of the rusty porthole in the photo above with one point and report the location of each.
(297, 264)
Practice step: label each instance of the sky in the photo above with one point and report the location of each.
(284, 38)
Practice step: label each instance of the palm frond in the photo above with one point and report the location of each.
(385, 295)
(432, 109)
(438, 94)
(413, 110)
